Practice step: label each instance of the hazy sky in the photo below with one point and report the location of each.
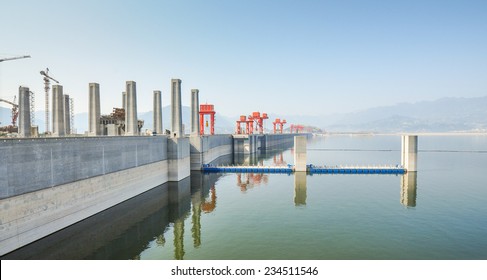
(275, 56)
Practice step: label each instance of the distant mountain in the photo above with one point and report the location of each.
(442, 115)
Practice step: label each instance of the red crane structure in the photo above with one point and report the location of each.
(259, 119)
(279, 125)
(297, 127)
(207, 109)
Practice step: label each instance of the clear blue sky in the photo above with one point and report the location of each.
(281, 57)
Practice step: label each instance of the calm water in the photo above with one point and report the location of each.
(438, 213)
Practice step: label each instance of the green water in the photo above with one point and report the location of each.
(440, 212)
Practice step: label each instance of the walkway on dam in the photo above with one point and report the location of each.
(311, 169)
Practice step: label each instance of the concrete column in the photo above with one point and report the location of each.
(67, 115)
(195, 112)
(94, 110)
(131, 125)
(124, 100)
(300, 153)
(176, 111)
(157, 112)
(24, 112)
(58, 128)
(409, 152)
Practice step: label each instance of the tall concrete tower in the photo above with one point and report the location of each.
(124, 100)
(157, 112)
(176, 114)
(58, 128)
(94, 110)
(131, 125)
(195, 112)
(24, 112)
(67, 115)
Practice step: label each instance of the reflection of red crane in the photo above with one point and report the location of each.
(280, 124)
(280, 160)
(209, 206)
(251, 180)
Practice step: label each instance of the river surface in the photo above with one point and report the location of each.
(439, 212)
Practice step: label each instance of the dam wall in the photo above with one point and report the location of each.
(205, 149)
(55, 182)
(33, 164)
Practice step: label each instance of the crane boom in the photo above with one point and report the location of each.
(11, 103)
(16, 57)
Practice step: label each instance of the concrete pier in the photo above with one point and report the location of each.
(195, 112)
(24, 112)
(94, 110)
(409, 152)
(176, 111)
(131, 125)
(300, 153)
(58, 128)
(157, 112)
(124, 100)
(67, 115)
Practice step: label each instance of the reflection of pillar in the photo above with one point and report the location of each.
(196, 220)
(408, 189)
(58, 128)
(176, 114)
(94, 110)
(179, 239)
(157, 112)
(300, 153)
(24, 112)
(299, 188)
(195, 114)
(409, 152)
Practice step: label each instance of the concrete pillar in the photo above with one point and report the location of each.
(124, 100)
(176, 111)
(58, 128)
(157, 112)
(300, 153)
(67, 115)
(409, 152)
(195, 112)
(131, 125)
(94, 110)
(24, 112)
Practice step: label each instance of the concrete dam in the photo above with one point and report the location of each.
(52, 182)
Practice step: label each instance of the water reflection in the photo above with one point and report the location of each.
(300, 188)
(408, 189)
(248, 181)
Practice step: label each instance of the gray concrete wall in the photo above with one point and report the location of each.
(32, 164)
(178, 154)
(207, 148)
(28, 217)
